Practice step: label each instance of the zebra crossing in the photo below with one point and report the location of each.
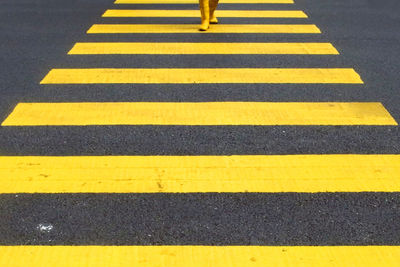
(191, 174)
(125, 48)
(244, 174)
(205, 256)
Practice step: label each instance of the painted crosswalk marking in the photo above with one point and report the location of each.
(200, 174)
(202, 113)
(193, 28)
(200, 256)
(196, 13)
(98, 48)
(191, 174)
(202, 75)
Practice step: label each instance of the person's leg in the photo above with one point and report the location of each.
(213, 6)
(205, 15)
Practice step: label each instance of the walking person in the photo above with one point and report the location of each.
(207, 9)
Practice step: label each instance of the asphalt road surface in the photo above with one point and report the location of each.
(36, 36)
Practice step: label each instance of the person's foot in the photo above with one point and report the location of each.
(213, 20)
(205, 15)
(204, 26)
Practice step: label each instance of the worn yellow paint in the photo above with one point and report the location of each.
(196, 13)
(199, 256)
(202, 113)
(187, 174)
(193, 28)
(196, 2)
(203, 48)
(198, 75)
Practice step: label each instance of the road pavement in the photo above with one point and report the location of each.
(36, 38)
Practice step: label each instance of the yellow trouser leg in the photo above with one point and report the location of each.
(205, 15)
(213, 6)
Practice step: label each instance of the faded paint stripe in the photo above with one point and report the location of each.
(196, 13)
(203, 48)
(193, 28)
(191, 174)
(203, 113)
(199, 75)
(199, 256)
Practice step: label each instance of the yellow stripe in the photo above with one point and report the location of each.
(203, 113)
(196, 13)
(199, 256)
(193, 28)
(204, 48)
(196, 2)
(187, 174)
(188, 75)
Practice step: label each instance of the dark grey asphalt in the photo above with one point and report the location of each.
(202, 219)
(35, 36)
